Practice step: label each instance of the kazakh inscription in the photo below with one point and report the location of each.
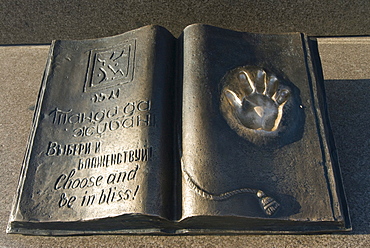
(128, 115)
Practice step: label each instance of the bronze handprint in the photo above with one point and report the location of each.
(258, 104)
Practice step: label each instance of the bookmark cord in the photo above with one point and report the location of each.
(267, 203)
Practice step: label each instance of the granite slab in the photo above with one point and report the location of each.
(347, 79)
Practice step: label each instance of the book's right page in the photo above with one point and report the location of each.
(256, 153)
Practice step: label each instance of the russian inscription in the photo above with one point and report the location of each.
(57, 149)
(107, 160)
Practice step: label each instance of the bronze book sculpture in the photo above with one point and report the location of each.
(217, 131)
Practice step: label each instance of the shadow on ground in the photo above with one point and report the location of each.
(348, 105)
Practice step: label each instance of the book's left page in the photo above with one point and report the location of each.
(99, 156)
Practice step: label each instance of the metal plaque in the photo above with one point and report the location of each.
(215, 132)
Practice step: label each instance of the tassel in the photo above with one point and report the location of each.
(268, 204)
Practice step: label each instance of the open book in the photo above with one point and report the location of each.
(217, 131)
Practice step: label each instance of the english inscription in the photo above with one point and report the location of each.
(97, 189)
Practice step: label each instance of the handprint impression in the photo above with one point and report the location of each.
(261, 99)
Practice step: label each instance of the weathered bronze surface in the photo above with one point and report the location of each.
(216, 132)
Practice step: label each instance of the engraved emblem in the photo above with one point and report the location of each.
(110, 66)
